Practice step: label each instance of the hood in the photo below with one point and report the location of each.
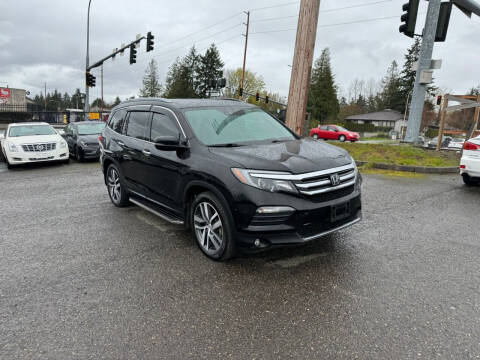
(35, 139)
(297, 156)
(89, 138)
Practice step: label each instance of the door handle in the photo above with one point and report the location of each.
(146, 152)
(121, 143)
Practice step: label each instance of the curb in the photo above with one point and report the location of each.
(409, 168)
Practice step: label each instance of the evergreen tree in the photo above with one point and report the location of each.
(117, 101)
(391, 95)
(209, 68)
(182, 76)
(322, 98)
(151, 84)
(76, 100)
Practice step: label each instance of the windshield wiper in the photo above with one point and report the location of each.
(225, 145)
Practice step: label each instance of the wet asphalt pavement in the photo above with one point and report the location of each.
(81, 279)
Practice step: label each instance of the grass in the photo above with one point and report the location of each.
(389, 173)
(402, 154)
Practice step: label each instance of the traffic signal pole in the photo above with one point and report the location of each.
(87, 105)
(424, 63)
(302, 65)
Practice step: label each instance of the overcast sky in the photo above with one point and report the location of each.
(45, 41)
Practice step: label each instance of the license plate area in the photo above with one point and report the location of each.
(339, 212)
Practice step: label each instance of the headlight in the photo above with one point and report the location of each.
(63, 144)
(12, 147)
(271, 185)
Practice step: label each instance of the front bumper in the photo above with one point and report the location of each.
(90, 152)
(22, 157)
(309, 221)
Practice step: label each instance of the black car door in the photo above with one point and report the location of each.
(133, 144)
(69, 137)
(164, 167)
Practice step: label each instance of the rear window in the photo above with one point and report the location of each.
(117, 121)
(137, 125)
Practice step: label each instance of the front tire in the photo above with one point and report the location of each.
(116, 189)
(342, 138)
(315, 136)
(212, 226)
(78, 155)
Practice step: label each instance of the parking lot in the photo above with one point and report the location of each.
(80, 278)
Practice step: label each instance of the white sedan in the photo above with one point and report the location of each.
(33, 142)
(470, 162)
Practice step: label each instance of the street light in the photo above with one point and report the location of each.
(87, 60)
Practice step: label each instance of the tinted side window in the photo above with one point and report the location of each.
(137, 124)
(163, 125)
(117, 121)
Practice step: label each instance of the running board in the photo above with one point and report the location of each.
(157, 211)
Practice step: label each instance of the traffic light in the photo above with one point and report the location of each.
(240, 92)
(266, 99)
(90, 79)
(257, 96)
(133, 54)
(221, 83)
(439, 99)
(443, 21)
(150, 43)
(409, 18)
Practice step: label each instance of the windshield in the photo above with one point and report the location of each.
(90, 129)
(234, 125)
(31, 130)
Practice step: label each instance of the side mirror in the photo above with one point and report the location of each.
(168, 143)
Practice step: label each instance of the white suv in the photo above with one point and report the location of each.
(33, 142)
(470, 162)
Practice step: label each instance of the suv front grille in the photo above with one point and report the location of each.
(39, 147)
(317, 183)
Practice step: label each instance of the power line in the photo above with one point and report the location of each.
(203, 29)
(327, 11)
(275, 6)
(204, 38)
(330, 25)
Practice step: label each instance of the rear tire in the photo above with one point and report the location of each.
(342, 138)
(212, 226)
(468, 180)
(115, 186)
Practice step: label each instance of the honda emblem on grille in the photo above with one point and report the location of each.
(39, 147)
(335, 179)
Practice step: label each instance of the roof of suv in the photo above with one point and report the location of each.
(187, 103)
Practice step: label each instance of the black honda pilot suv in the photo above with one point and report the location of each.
(232, 173)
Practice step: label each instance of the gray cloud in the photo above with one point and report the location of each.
(44, 41)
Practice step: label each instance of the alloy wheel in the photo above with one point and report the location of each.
(208, 228)
(113, 184)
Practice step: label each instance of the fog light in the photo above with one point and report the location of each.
(274, 209)
(257, 242)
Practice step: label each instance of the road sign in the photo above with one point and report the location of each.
(426, 77)
(94, 116)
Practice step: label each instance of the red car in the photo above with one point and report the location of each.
(334, 132)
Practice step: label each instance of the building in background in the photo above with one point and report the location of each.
(387, 119)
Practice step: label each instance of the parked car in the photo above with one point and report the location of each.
(470, 162)
(456, 144)
(333, 132)
(235, 175)
(82, 139)
(432, 144)
(33, 142)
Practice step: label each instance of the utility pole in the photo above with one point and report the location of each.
(443, 117)
(424, 63)
(302, 65)
(101, 71)
(87, 105)
(245, 50)
(45, 96)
